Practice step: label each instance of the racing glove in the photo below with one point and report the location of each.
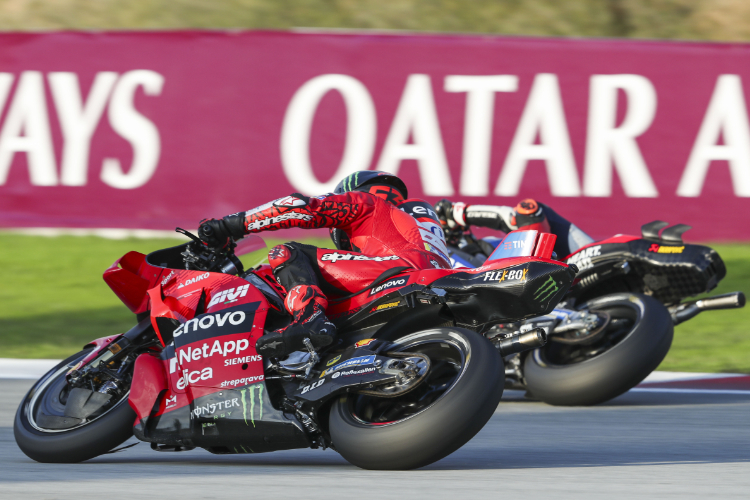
(216, 233)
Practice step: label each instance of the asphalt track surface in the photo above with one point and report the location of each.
(644, 444)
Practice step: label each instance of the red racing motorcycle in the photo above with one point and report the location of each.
(409, 380)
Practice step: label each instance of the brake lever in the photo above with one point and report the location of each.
(188, 234)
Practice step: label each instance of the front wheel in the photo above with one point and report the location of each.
(45, 433)
(455, 400)
(635, 338)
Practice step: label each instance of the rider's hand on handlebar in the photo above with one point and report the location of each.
(214, 233)
(444, 211)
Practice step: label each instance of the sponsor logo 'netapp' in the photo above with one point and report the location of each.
(185, 355)
(395, 283)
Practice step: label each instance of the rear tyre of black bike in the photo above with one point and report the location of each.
(635, 342)
(456, 399)
(45, 434)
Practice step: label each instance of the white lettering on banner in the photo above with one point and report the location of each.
(416, 118)
(135, 128)
(78, 121)
(361, 131)
(726, 117)
(480, 104)
(26, 129)
(544, 115)
(608, 144)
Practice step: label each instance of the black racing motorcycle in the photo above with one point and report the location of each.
(615, 324)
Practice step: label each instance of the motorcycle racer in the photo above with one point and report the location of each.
(374, 234)
(528, 214)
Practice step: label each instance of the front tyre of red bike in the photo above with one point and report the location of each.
(455, 400)
(46, 431)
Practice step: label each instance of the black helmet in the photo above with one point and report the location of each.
(357, 180)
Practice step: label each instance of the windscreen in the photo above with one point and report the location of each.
(515, 244)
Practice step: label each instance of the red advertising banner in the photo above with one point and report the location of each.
(154, 130)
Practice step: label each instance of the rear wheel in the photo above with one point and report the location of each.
(45, 433)
(635, 338)
(457, 397)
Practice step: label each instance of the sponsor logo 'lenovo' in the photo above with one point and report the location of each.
(394, 283)
(208, 320)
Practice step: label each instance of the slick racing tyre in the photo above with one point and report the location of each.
(45, 434)
(457, 397)
(636, 338)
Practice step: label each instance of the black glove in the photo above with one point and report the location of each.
(444, 211)
(216, 233)
(213, 233)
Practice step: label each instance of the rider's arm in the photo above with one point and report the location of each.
(296, 210)
(463, 215)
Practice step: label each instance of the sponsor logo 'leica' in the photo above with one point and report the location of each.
(230, 295)
(194, 280)
(189, 377)
(335, 256)
(395, 283)
(208, 320)
(261, 223)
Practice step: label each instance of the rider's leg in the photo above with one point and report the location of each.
(569, 237)
(529, 214)
(305, 301)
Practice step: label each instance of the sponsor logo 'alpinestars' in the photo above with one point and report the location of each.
(261, 223)
(335, 256)
(546, 290)
(251, 392)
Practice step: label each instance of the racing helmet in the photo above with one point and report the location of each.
(381, 184)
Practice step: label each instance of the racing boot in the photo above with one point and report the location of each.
(306, 303)
(530, 215)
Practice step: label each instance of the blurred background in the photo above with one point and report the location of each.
(142, 115)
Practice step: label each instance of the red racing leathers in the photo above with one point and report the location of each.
(385, 236)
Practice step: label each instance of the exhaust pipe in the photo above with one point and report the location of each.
(687, 310)
(520, 342)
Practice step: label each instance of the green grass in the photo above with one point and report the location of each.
(686, 19)
(53, 301)
(52, 296)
